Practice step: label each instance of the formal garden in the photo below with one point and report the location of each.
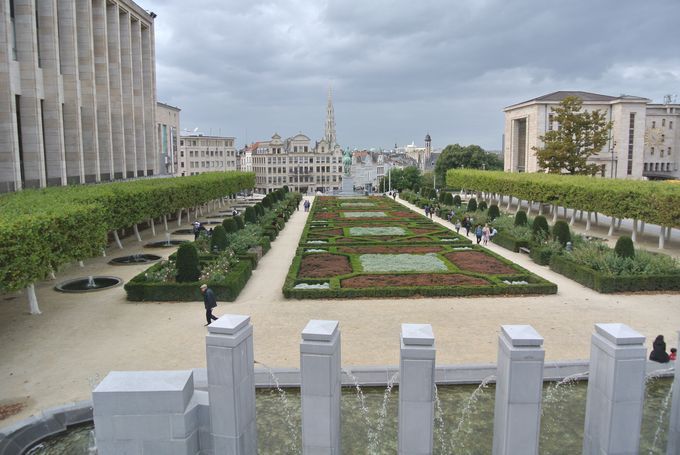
(223, 259)
(589, 261)
(374, 247)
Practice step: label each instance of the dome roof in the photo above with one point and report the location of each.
(427, 138)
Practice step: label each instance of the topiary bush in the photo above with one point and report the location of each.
(493, 212)
(482, 206)
(240, 224)
(521, 218)
(540, 227)
(187, 263)
(229, 224)
(285, 188)
(472, 205)
(456, 200)
(218, 240)
(624, 247)
(250, 215)
(561, 232)
(259, 209)
(448, 199)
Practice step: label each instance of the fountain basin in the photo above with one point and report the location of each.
(88, 284)
(187, 231)
(134, 259)
(165, 243)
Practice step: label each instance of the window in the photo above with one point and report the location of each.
(669, 151)
(550, 122)
(661, 153)
(631, 137)
(670, 125)
(653, 123)
(663, 122)
(652, 151)
(663, 138)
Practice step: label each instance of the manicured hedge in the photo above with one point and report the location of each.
(652, 202)
(509, 243)
(43, 229)
(228, 290)
(607, 283)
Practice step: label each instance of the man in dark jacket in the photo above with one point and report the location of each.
(210, 302)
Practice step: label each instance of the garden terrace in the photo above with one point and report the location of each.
(338, 258)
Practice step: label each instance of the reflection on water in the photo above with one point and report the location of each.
(561, 423)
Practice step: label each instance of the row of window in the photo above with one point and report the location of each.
(207, 142)
(297, 160)
(662, 167)
(663, 123)
(204, 164)
(661, 151)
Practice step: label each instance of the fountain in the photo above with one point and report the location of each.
(88, 284)
(166, 243)
(134, 259)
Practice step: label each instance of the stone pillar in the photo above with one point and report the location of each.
(416, 389)
(674, 426)
(320, 371)
(153, 163)
(616, 390)
(138, 96)
(103, 98)
(115, 90)
(127, 95)
(519, 386)
(10, 171)
(231, 385)
(140, 412)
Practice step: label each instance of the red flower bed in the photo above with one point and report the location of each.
(320, 265)
(421, 279)
(475, 261)
(390, 249)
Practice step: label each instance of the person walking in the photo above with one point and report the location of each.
(457, 226)
(210, 302)
(486, 234)
(478, 233)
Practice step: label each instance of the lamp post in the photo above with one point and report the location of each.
(611, 167)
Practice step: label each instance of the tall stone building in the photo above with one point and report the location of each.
(199, 154)
(296, 162)
(167, 130)
(644, 140)
(77, 92)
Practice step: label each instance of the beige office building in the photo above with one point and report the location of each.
(167, 132)
(199, 154)
(77, 92)
(643, 143)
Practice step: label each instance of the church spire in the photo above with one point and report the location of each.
(329, 134)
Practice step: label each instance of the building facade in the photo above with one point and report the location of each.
(199, 154)
(77, 92)
(167, 140)
(643, 142)
(296, 162)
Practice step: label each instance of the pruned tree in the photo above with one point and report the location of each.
(580, 134)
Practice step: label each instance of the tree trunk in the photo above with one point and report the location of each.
(635, 228)
(165, 222)
(117, 239)
(179, 217)
(81, 264)
(642, 227)
(555, 210)
(32, 299)
(611, 227)
(134, 228)
(588, 222)
(662, 237)
(153, 227)
(573, 217)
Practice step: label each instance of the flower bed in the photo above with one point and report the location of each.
(404, 256)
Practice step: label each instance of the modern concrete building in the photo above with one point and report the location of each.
(77, 92)
(644, 140)
(167, 130)
(199, 154)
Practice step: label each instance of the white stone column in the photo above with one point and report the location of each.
(115, 90)
(153, 158)
(673, 447)
(320, 371)
(127, 95)
(616, 390)
(416, 389)
(519, 386)
(138, 95)
(231, 385)
(103, 98)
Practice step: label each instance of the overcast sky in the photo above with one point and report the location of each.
(401, 69)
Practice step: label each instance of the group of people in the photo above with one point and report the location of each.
(306, 204)
(430, 210)
(659, 353)
(198, 229)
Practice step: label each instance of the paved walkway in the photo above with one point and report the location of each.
(53, 358)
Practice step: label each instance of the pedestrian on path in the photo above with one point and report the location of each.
(478, 233)
(210, 302)
(486, 234)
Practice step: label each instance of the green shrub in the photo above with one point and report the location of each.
(240, 224)
(250, 215)
(457, 201)
(472, 205)
(259, 209)
(285, 189)
(521, 218)
(448, 198)
(624, 247)
(493, 212)
(187, 263)
(230, 225)
(218, 240)
(482, 206)
(540, 227)
(561, 232)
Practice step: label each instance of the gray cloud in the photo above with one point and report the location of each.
(400, 69)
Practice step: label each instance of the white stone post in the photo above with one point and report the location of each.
(616, 390)
(519, 386)
(231, 385)
(320, 371)
(673, 447)
(416, 389)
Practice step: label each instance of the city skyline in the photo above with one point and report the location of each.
(398, 73)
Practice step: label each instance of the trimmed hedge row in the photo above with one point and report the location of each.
(139, 290)
(607, 283)
(509, 242)
(43, 229)
(652, 202)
